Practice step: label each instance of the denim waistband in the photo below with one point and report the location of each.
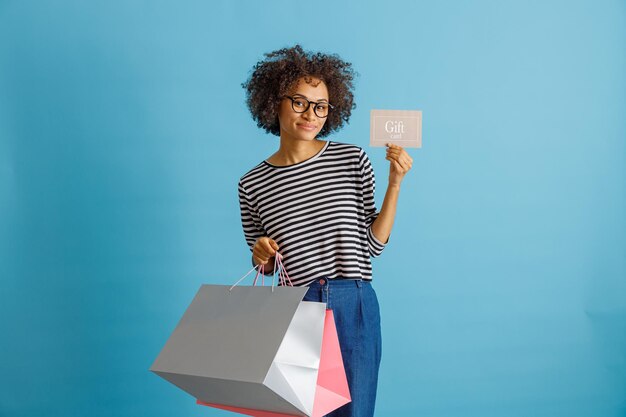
(325, 282)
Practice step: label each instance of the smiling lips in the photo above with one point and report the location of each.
(307, 126)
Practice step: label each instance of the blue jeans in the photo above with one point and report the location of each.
(357, 317)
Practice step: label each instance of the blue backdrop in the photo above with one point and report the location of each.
(123, 133)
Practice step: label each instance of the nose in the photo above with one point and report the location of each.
(309, 114)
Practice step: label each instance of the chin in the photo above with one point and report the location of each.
(308, 136)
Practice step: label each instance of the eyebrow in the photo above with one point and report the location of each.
(302, 95)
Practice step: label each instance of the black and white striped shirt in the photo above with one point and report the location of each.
(319, 212)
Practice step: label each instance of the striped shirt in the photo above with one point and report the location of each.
(319, 212)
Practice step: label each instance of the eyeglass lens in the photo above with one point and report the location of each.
(301, 105)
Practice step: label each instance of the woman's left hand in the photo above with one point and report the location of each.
(400, 163)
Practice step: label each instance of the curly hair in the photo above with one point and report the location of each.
(272, 77)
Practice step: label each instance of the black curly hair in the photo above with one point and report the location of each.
(272, 77)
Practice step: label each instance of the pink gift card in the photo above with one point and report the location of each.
(400, 127)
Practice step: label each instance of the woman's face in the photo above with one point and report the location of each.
(302, 126)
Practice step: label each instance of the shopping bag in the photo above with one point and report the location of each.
(332, 387)
(252, 348)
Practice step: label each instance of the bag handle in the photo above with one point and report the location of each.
(282, 272)
(247, 273)
(283, 277)
(261, 271)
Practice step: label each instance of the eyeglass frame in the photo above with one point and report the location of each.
(330, 106)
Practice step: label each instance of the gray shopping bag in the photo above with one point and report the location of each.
(249, 347)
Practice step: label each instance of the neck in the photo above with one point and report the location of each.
(292, 152)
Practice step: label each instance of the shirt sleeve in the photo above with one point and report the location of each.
(369, 185)
(250, 220)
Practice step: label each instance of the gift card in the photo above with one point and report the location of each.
(400, 127)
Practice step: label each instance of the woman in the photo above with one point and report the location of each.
(313, 201)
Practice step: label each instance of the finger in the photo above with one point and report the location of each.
(394, 157)
(274, 244)
(396, 152)
(264, 244)
(261, 252)
(260, 261)
(399, 151)
(267, 246)
(258, 258)
(402, 163)
(393, 146)
(406, 162)
(399, 167)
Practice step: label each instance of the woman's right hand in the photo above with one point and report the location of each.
(264, 249)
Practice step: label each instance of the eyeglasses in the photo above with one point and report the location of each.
(301, 105)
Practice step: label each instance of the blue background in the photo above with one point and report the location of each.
(123, 133)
